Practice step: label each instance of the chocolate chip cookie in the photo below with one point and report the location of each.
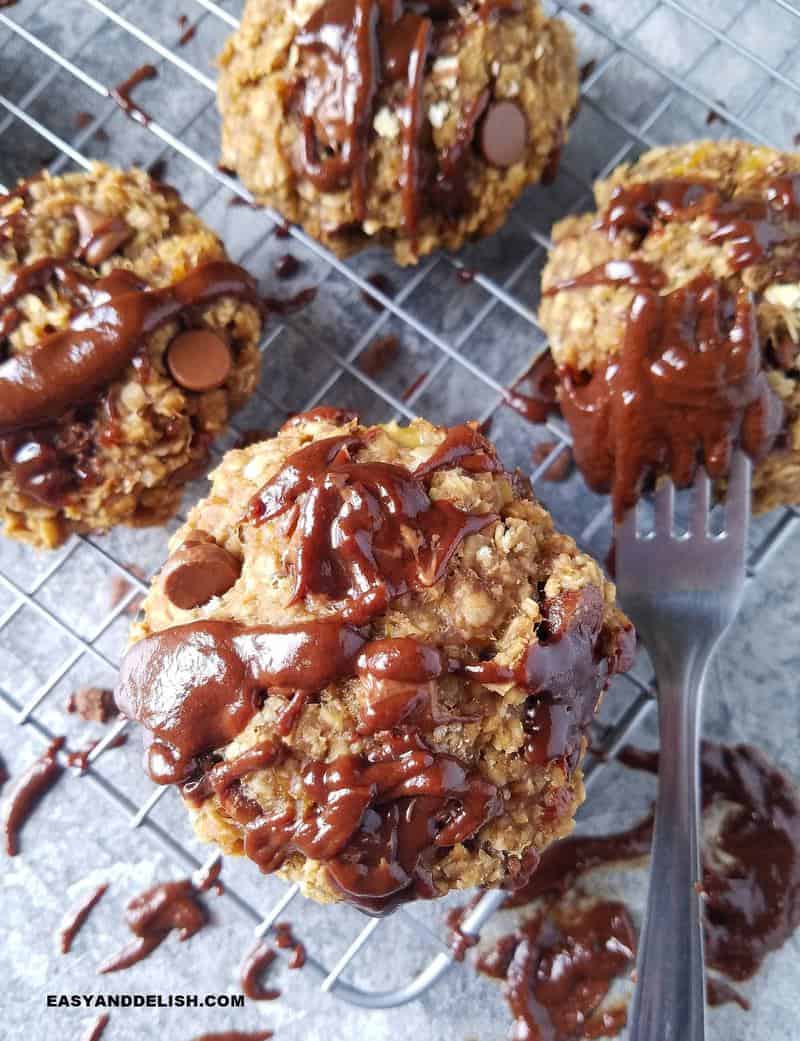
(127, 340)
(415, 125)
(673, 313)
(370, 662)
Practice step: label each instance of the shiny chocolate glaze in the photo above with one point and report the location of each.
(558, 968)
(26, 792)
(153, 915)
(687, 387)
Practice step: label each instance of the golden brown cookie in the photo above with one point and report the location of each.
(412, 125)
(127, 340)
(387, 694)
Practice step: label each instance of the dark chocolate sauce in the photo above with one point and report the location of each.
(286, 940)
(460, 942)
(69, 367)
(209, 879)
(255, 964)
(687, 386)
(378, 354)
(287, 266)
(26, 792)
(76, 916)
(564, 672)
(151, 917)
(93, 704)
(751, 866)
(188, 31)
(122, 93)
(96, 1029)
(43, 439)
(558, 968)
(347, 50)
(354, 516)
(380, 282)
(414, 386)
(754, 224)
(290, 304)
(638, 274)
(541, 399)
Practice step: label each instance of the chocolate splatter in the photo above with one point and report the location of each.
(76, 916)
(27, 791)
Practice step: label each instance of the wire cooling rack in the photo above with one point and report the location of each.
(653, 73)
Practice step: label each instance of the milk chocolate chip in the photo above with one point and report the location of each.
(199, 360)
(199, 570)
(504, 134)
(98, 235)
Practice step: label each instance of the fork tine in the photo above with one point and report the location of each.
(665, 507)
(737, 500)
(698, 524)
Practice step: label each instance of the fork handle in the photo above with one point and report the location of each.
(669, 1001)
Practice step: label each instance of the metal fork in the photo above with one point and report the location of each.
(682, 593)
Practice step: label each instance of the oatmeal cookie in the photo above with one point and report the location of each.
(673, 314)
(413, 125)
(128, 339)
(370, 662)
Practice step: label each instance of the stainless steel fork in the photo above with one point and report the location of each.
(682, 593)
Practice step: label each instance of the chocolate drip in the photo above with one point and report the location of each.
(751, 868)
(339, 43)
(558, 969)
(26, 792)
(69, 367)
(96, 1029)
(377, 821)
(256, 962)
(152, 915)
(196, 686)
(75, 918)
(564, 672)
(122, 93)
(286, 940)
(542, 399)
(687, 385)
(351, 523)
(638, 274)
(348, 49)
(753, 224)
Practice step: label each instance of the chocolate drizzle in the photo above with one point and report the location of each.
(76, 916)
(151, 917)
(353, 529)
(686, 387)
(26, 792)
(348, 50)
(43, 439)
(558, 968)
(256, 962)
(688, 384)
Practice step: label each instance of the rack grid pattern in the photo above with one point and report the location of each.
(632, 99)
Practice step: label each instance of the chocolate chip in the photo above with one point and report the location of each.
(199, 570)
(199, 360)
(504, 134)
(98, 235)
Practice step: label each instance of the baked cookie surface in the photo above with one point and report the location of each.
(127, 337)
(673, 314)
(370, 662)
(411, 125)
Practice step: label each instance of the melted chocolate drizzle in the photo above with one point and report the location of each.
(151, 917)
(558, 968)
(686, 387)
(254, 965)
(347, 50)
(26, 792)
(44, 438)
(76, 916)
(688, 384)
(96, 1028)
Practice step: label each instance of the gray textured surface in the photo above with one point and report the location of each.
(80, 833)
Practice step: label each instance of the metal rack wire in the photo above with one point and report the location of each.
(504, 296)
